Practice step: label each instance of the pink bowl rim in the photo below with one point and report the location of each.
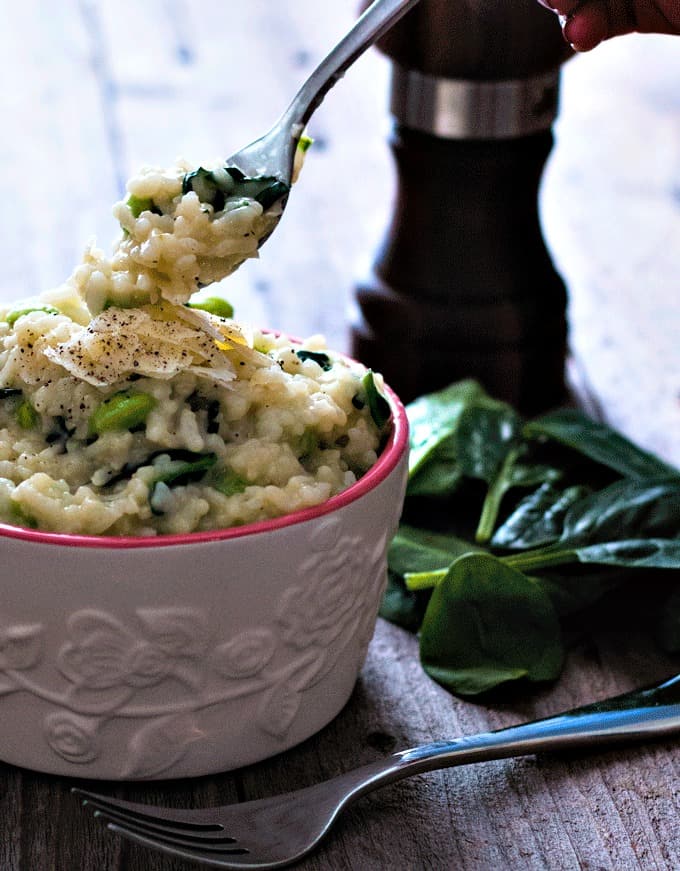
(397, 445)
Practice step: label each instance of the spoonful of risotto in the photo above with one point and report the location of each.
(265, 168)
(186, 228)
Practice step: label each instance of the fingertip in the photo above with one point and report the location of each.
(586, 29)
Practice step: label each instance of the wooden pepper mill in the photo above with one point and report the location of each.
(463, 285)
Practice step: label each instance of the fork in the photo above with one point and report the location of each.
(277, 831)
(273, 154)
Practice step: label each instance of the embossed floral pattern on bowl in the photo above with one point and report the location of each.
(181, 656)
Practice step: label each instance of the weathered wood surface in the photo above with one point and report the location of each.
(91, 90)
(612, 216)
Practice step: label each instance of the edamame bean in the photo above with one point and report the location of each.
(214, 305)
(14, 315)
(121, 411)
(137, 205)
(27, 416)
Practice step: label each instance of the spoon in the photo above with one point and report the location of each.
(264, 168)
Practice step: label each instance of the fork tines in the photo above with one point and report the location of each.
(162, 830)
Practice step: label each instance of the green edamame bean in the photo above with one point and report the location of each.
(14, 315)
(137, 205)
(27, 416)
(121, 411)
(214, 305)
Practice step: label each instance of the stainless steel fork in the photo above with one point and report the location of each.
(277, 831)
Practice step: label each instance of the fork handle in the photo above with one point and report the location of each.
(654, 711)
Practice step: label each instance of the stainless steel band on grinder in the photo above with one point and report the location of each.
(462, 109)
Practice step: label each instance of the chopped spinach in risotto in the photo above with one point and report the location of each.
(126, 409)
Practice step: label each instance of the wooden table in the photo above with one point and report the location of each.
(93, 89)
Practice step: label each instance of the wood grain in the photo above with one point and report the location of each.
(91, 90)
(612, 217)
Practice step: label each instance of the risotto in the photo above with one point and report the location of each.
(126, 409)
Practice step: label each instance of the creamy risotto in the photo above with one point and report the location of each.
(127, 409)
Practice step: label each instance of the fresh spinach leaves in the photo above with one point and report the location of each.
(538, 518)
(489, 606)
(377, 404)
(599, 442)
(461, 432)
(433, 420)
(319, 357)
(216, 186)
(486, 624)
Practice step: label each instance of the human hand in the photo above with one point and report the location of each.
(586, 23)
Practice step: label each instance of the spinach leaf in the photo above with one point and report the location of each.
(174, 472)
(439, 478)
(424, 556)
(599, 442)
(377, 404)
(432, 421)
(488, 447)
(659, 553)
(419, 550)
(171, 473)
(177, 459)
(203, 183)
(625, 509)
(401, 606)
(638, 553)
(214, 186)
(228, 483)
(487, 431)
(538, 518)
(462, 432)
(629, 523)
(485, 620)
(59, 434)
(510, 475)
(318, 357)
(487, 624)
(276, 190)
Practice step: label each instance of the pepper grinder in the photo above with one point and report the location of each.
(463, 285)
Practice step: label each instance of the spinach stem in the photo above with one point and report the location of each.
(494, 496)
(540, 558)
(424, 580)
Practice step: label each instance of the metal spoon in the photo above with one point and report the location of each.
(264, 168)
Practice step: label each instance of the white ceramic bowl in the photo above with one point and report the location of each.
(138, 658)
